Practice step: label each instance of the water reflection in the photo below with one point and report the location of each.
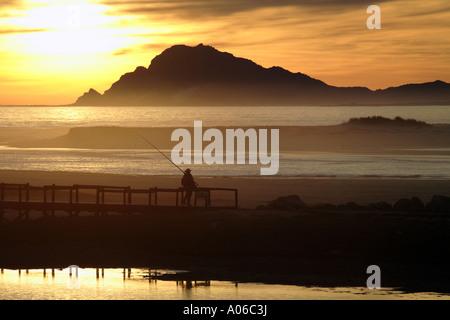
(146, 284)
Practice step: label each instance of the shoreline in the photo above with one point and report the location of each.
(312, 246)
(256, 190)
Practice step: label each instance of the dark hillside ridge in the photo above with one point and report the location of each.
(203, 76)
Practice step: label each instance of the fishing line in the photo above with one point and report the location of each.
(160, 152)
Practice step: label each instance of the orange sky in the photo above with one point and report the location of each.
(51, 51)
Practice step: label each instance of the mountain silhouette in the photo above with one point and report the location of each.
(203, 76)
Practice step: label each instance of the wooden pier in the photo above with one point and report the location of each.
(99, 200)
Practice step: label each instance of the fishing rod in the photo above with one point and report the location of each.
(160, 151)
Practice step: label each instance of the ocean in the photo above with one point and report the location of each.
(424, 164)
(68, 117)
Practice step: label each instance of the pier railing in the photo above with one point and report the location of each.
(97, 199)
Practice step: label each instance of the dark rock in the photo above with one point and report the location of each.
(325, 206)
(353, 205)
(438, 203)
(375, 121)
(92, 97)
(292, 202)
(405, 204)
(402, 204)
(417, 203)
(350, 206)
(381, 205)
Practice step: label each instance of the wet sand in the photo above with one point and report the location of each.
(306, 247)
(339, 138)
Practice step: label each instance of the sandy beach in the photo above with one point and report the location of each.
(316, 245)
(305, 247)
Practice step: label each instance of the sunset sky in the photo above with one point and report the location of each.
(51, 51)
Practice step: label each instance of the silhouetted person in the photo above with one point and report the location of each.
(189, 185)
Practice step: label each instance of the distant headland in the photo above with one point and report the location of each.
(203, 76)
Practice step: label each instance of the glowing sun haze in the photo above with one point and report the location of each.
(51, 51)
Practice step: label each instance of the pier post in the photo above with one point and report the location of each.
(44, 208)
(71, 200)
(77, 199)
(129, 195)
(27, 199)
(125, 275)
(129, 200)
(103, 200)
(97, 201)
(2, 198)
(53, 199)
(20, 201)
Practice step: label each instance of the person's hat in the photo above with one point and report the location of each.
(188, 170)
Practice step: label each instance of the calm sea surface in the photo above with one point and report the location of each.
(143, 162)
(50, 117)
(119, 284)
